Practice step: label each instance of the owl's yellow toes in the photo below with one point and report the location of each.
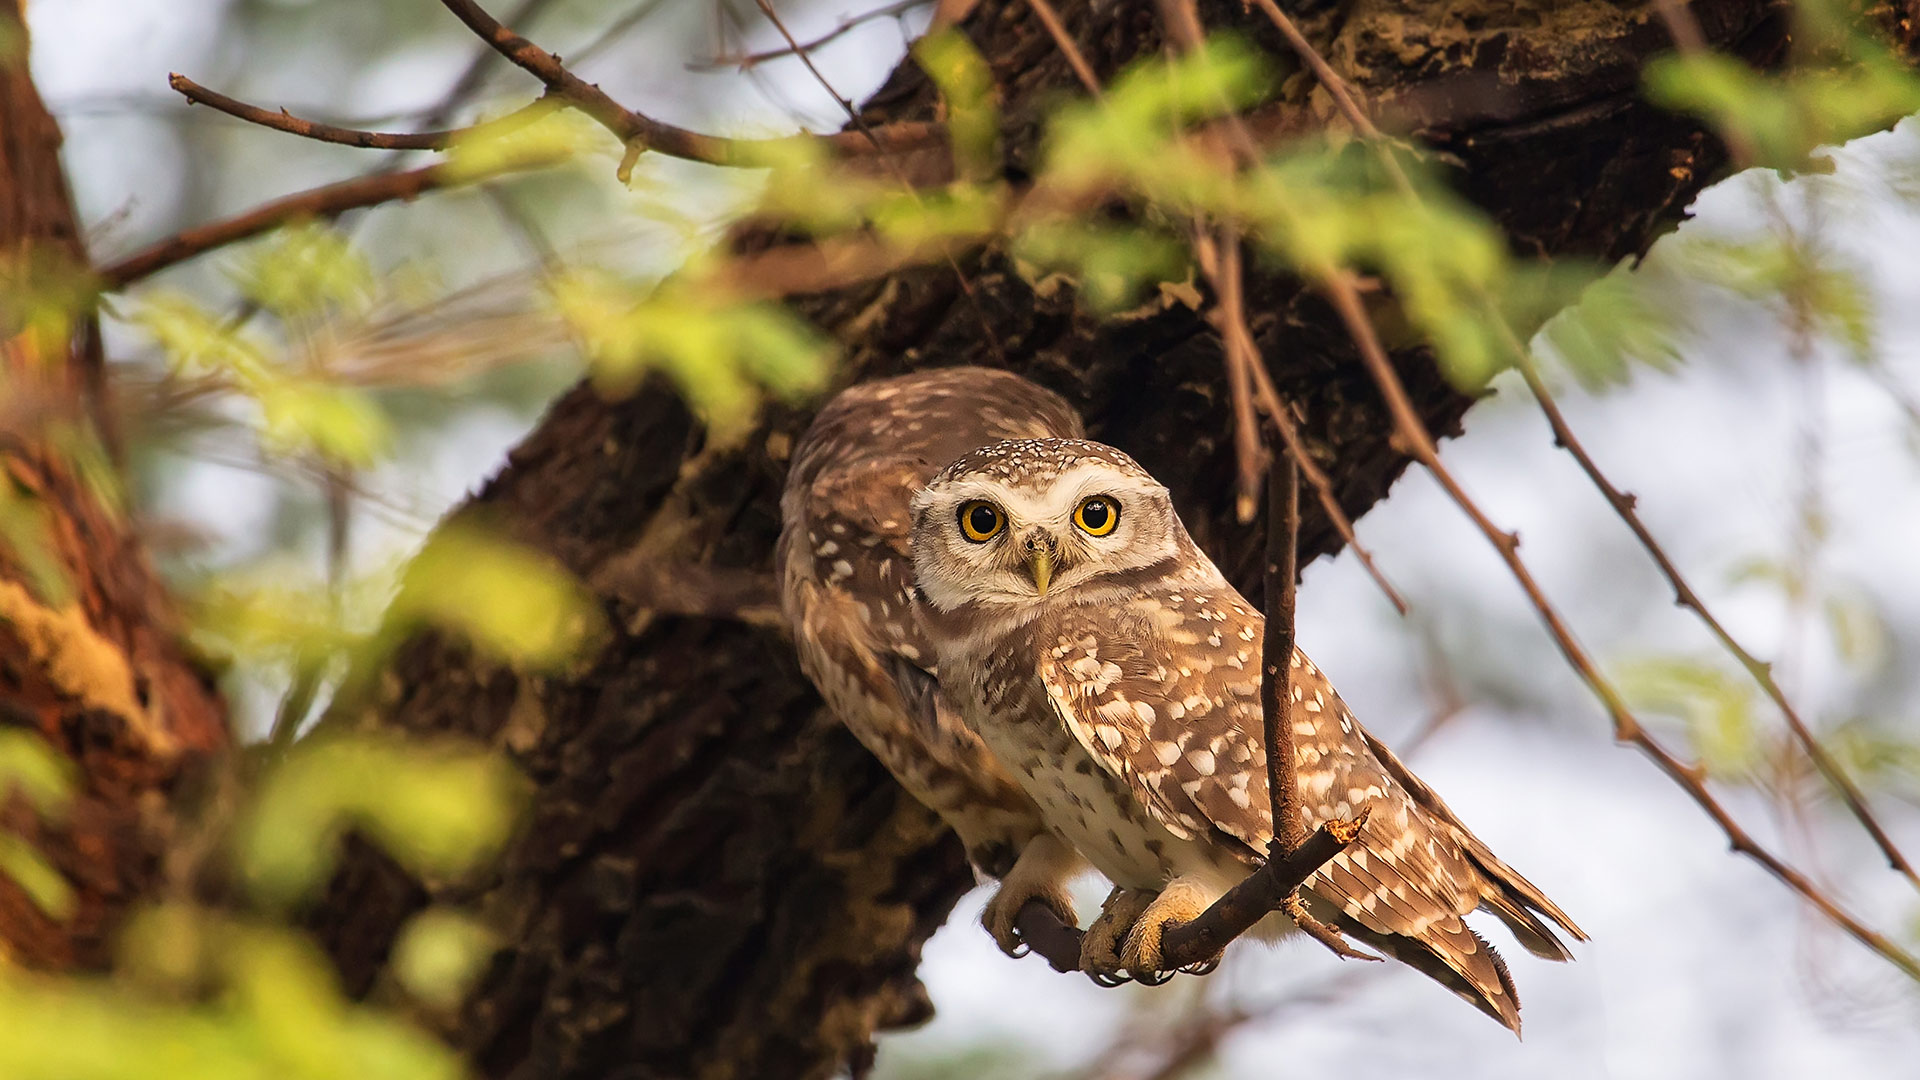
(1100, 949)
(1040, 873)
(1181, 901)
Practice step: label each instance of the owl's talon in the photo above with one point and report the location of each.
(1109, 979)
(1100, 948)
(1181, 901)
(1204, 967)
(1040, 873)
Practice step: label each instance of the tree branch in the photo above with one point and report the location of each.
(1344, 293)
(344, 136)
(328, 201)
(1686, 597)
(644, 131)
(1276, 650)
(1687, 35)
(749, 61)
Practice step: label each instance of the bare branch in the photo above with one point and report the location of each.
(1684, 595)
(370, 140)
(1276, 650)
(748, 61)
(1341, 289)
(1258, 895)
(1263, 892)
(650, 134)
(1229, 318)
(1058, 31)
(328, 201)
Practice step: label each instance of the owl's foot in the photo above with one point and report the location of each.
(1040, 873)
(1181, 901)
(1100, 948)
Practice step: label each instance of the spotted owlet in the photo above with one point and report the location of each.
(846, 581)
(1104, 658)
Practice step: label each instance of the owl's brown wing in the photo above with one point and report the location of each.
(847, 592)
(1165, 695)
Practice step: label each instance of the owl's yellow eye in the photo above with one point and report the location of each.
(980, 520)
(1097, 515)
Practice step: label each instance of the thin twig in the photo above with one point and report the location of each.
(893, 167)
(1338, 89)
(1282, 417)
(748, 61)
(329, 133)
(1345, 295)
(1684, 595)
(1058, 30)
(1220, 261)
(640, 130)
(1229, 317)
(1692, 42)
(328, 201)
(1687, 35)
(1276, 672)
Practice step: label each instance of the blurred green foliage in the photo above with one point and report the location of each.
(208, 993)
(1843, 82)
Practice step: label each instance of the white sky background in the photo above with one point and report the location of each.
(1701, 966)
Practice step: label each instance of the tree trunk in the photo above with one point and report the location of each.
(716, 880)
(90, 655)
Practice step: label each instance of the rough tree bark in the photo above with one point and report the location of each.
(90, 659)
(715, 880)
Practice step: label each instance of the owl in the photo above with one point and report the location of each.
(1105, 660)
(846, 582)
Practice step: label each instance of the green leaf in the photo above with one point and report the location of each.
(439, 955)
(966, 85)
(1618, 319)
(1717, 707)
(720, 352)
(438, 808)
(338, 423)
(23, 864)
(1127, 136)
(1113, 264)
(32, 770)
(507, 599)
(303, 270)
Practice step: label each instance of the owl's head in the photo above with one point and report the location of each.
(1031, 520)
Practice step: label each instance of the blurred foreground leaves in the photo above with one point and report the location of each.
(235, 991)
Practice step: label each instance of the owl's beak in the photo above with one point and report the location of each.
(1040, 565)
(1039, 546)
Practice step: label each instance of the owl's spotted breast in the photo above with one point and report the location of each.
(1118, 675)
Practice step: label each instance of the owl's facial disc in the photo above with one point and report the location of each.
(982, 537)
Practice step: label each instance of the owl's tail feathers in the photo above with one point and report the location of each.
(1519, 903)
(1451, 954)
